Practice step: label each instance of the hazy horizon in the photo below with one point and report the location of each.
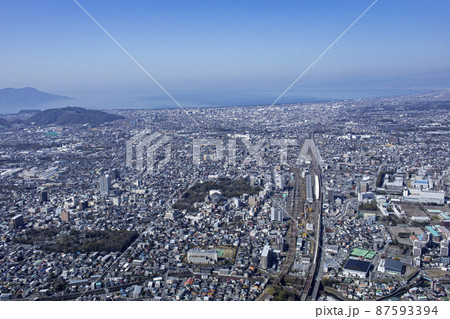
(210, 99)
(217, 54)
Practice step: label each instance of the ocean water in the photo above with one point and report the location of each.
(189, 99)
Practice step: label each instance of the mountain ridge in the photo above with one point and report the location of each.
(27, 97)
(72, 115)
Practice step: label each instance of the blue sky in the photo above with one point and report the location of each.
(202, 51)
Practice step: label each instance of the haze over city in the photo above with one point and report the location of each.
(231, 53)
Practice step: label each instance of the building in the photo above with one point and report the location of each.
(105, 185)
(394, 267)
(445, 223)
(117, 201)
(427, 239)
(16, 222)
(224, 272)
(445, 232)
(65, 216)
(252, 201)
(115, 174)
(423, 196)
(435, 236)
(332, 249)
(173, 214)
(276, 214)
(417, 251)
(420, 219)
(364, 197)
(180, 294)
(137, 291)
(43, 197)
(265, 257)
(356, 267)
(363, 187)
(202, 256)
(444, 249)
(330, 195)
(391, 266)
(279, 181)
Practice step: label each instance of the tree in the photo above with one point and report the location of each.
(271, 291)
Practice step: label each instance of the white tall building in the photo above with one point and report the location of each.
(444, 248)
(265, 257)
(276, 214)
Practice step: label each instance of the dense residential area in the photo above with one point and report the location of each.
(339, 200)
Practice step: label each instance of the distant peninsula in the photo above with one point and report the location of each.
(27, 97)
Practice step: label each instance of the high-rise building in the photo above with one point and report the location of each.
(253, 201)
(363, 187)
(279, 181)
(276, 214)
(65, 216)
(427, 239)
(417, 251)
(444, 248)
(43, 197)
(330, 195)
(115, 174)
(105, 185)
(16, 222)
(83, 205)
(265, 257)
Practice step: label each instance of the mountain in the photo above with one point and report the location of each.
(3, 122)
(72, 115)
(26, 97)
(28, 111)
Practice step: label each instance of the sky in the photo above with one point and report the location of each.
(223, 52)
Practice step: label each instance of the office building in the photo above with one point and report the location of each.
(16, 222)
(363, 187)
(444, 249)
(43, 197)
(115, 174)
(105, 185)
(265, 257)
(417, 251)
(65, 216)
(276, 214)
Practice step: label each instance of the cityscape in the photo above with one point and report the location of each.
(339, 200)
(273, 157)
